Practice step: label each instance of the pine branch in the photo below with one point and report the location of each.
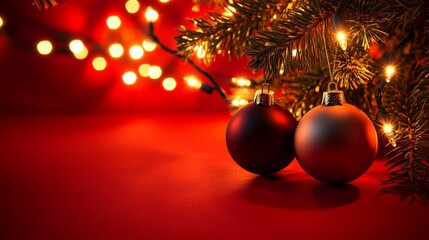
(227, 33)
(304, 29)
(45, 4)
(408, 165)
(210, 2)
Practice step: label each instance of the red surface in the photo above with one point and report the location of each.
(170, 177)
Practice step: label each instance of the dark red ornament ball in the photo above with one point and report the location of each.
(335, 144)
(260, 138)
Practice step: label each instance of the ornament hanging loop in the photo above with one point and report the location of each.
(333, 96)
(264, 97)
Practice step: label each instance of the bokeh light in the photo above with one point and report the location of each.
(116, 50)
(99, 63)
(82, 54)
(113, 22)
(148, 45)
(129, 78)
(44, 47)
(151, 14)
(136, 52)
(76, 46)
(132, 6)
(154, 72)
(1, 22)
(169, 84)
(144, 70)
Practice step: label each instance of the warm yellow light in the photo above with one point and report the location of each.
(136, 52)
(239, 102)
(294, 51)
(169, 84)
(390, 71)
(154, 72)
(164, 1)
(44, 47)
(113, 22)
(1, 22)
(116, 50)
(148, 45)
(241, 82)
(99, 63)
(82, 54)
(151, 14)
(193, 82)
(144, 70)
(132, 6)
(388, 130)
(201, 52)
(76, 46)
(129, 78)
(342, 39)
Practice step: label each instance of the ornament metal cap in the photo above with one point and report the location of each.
(264, 98)
(333, 96)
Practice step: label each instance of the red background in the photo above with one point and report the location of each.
(31, 83)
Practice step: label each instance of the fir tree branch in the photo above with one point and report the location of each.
(227, 33)
(303, 29)
(45, 4)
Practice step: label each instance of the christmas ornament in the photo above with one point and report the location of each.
(260, 135)
(335, 142)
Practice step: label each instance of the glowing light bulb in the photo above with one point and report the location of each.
(151, 14)
(148, 45)
(154, 72)
(99, 63)
(116, 50)
(388, 130)
(239, 102)
(76, 46)
(82, 54)
(164, 1)
(294, 51)
(169, 84)
(113, 22)
(241, 82)
(1, 22)
(129, 78)
(390, 71)
(136, 52)
(132, 6)
(193, 82)
(342, 39)
(44, 47)
(144, 70)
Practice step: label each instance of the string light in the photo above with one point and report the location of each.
(1, 22)
(390, 71)
(239, 102)
(294, 51)
(144, 70)
(164, 1)
(342, 39)
(388, 130)
(193, 82)
(132, 6)
(99, 63)
(169, 84)
(44, 47)
(129, 78)
(82, 54)
(148, 45)
(113, 22)
(136, 52)
(154, 72)
(241, 82)
(76, 46)
(116, 50)
(151, 15)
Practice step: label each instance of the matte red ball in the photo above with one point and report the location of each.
(260, 139)
(335, 144)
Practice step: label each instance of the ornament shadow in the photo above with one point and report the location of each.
(297, 191)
